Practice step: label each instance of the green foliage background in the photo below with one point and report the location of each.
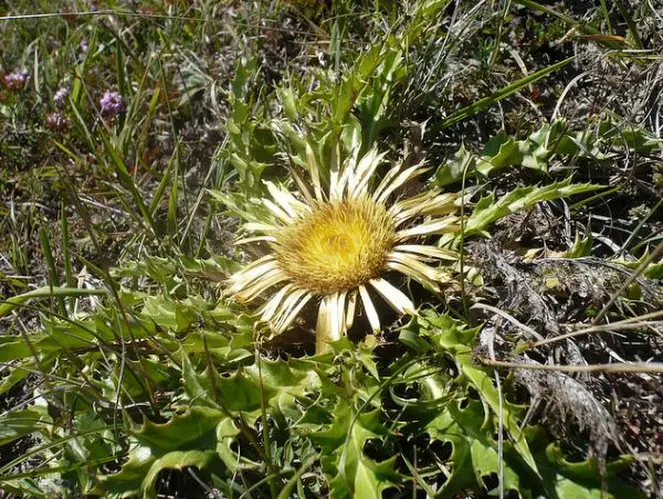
(125, 370)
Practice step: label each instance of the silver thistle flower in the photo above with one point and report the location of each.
(335, 245)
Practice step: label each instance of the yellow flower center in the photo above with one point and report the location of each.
(337, 247)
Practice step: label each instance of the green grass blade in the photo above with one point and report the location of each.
(50, 262)
(82, 125)
(66, 253)
(10, 304)
(172, 202)
(568, 20)
(632, 27)
(486, 102)
(161, 188)
(128, 182)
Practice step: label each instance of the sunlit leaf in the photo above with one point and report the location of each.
(17, 424)
(355, 474)
(488, 210)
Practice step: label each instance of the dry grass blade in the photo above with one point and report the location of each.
(508, 317)
(618, 367)
(639, 322)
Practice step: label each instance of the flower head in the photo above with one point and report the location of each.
(91, 4)
(336, 245)
(57, 122)
(112, 104)
(17, 80)
(60, 96)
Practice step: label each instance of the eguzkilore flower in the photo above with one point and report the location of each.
(334, 246)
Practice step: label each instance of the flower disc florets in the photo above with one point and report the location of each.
(337, 247)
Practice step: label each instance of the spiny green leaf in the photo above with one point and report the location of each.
(462, 163)
(226, 433)
(128, 482)
(450, 336)
(282, 375)
(582, 246)
(12, 348)
(563, 479)
(238, 205)
(26, 487)
(229, 349)
(175, 460)
(483, 382)
(188, 439)
(192, 386)
(537, 150)
(168, 313)
(60, 336)
(474, 453)
(488, 210)
(16, 374)
(356, 475)
(192, 430)
(414, 341)
(653, 271)
(500, 151)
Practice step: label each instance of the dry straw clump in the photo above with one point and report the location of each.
(334, 243)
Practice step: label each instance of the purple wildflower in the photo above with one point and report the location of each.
(17, 80)
(112, 104)
(60, 97)
(84, 46)
(91, 4)
(57, 122)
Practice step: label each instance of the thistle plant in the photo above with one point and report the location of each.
(121, 375)
(335, 246)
